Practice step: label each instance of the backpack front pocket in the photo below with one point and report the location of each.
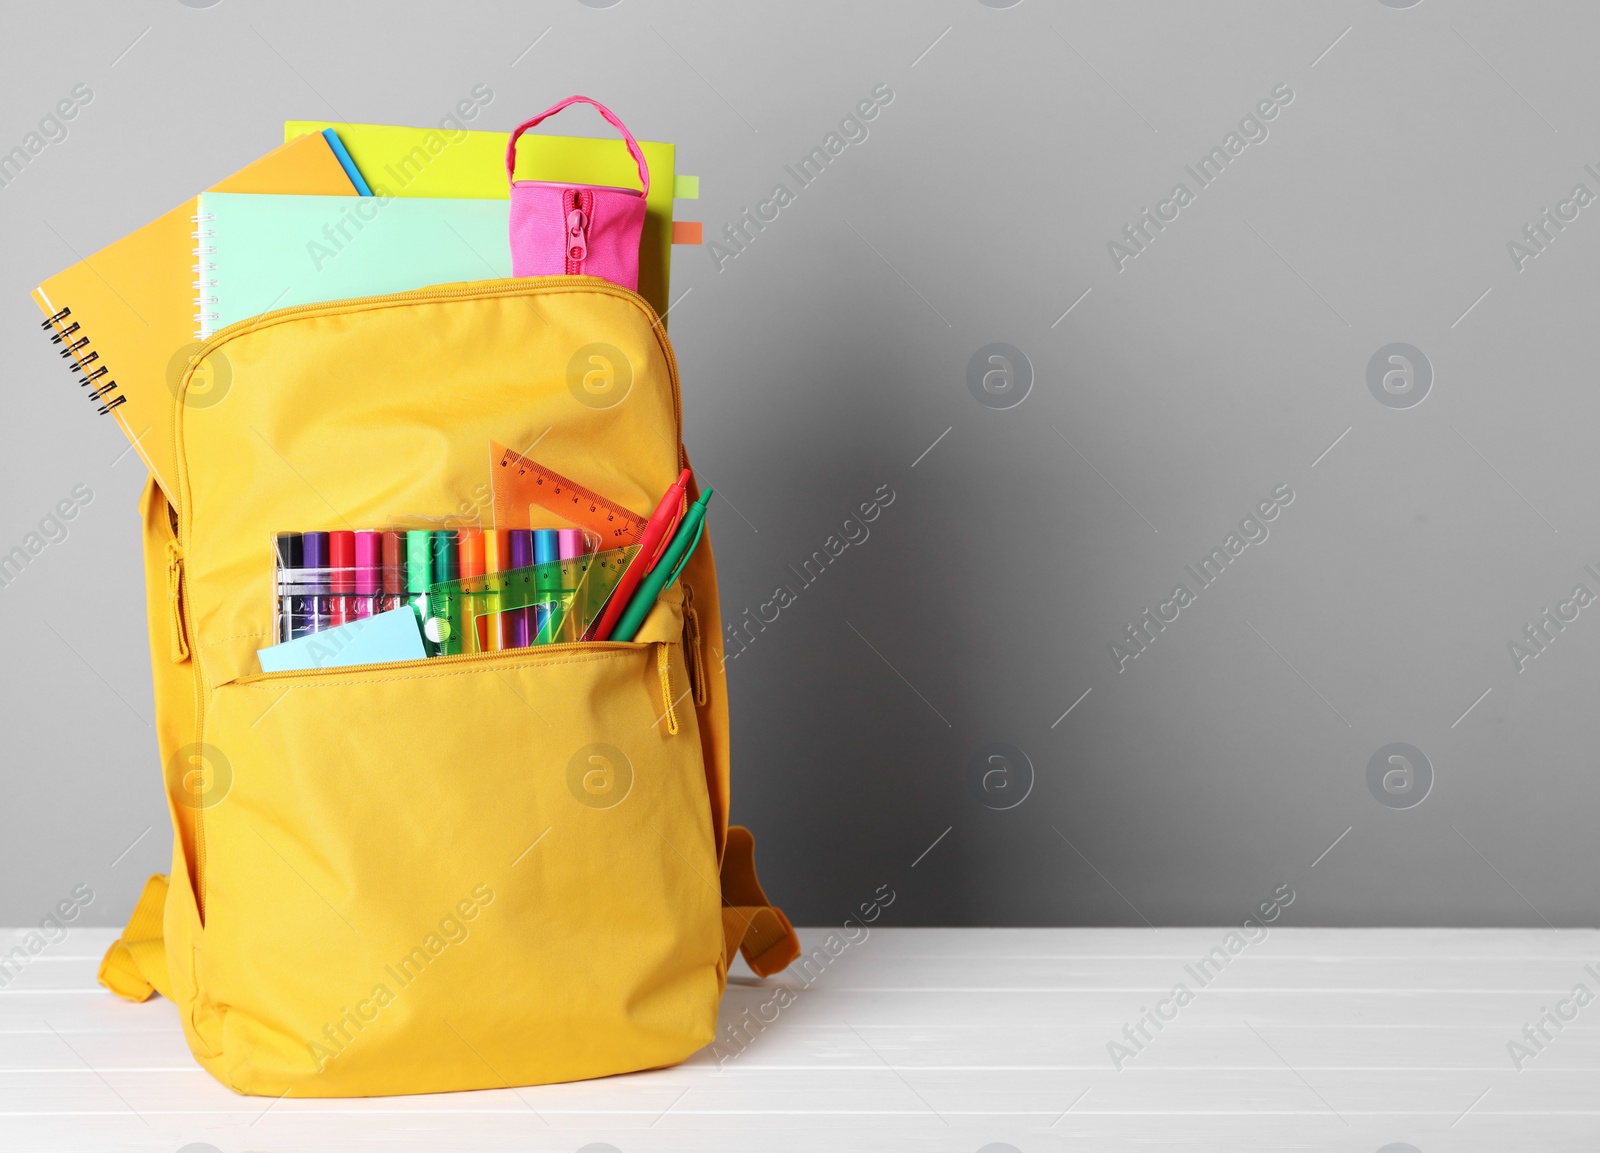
(461, 873)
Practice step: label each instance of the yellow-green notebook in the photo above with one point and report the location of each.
(434, 162)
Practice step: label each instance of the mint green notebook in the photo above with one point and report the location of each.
(257, 253)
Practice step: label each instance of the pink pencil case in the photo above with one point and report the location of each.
(577, 229)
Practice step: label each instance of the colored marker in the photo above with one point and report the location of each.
(572, 545)
(494, 560)
(394, 570)
(547, 584)
(369, 562)
(341, 578)
(291, 605)
(446, 567)
(471, 616)
(661, 577)
(520, 551)
(419, 571)
(314, 552)
(655, 538)
(446, 556)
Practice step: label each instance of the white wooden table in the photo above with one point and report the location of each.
(932, 1039)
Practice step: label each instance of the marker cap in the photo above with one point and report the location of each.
(290, 552)
(446, 556)
(494, 550)
(342, 559)
(546, 551)
(419, 560)
(368, 559)
(394, 563)
(521, 547)
(472, 558)
(314, 558)
(571, 543)
(314, 549)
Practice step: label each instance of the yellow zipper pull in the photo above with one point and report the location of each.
(691, 641)
(664, 670)
(179, 635)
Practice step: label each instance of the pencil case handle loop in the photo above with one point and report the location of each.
(611, 118)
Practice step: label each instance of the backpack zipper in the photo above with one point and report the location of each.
(468, 290)
(487, 659)
(514, 658)
(483, 289)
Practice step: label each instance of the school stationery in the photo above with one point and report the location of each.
(653, 540)
(369, 560)
(492, 629)
(390, 636)
(268, 252)
(519, 618)
(665, 572)
(342, 577)
(547, 584)
(291, 606)
(567, 595)
(559, 227)
(519, 485)
(343, 156)
(412, 162)
(125, 316)
(419, 572)
(572, 546)
(472, 565)
(446, 568)
(394, 571)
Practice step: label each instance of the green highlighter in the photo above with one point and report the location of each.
(665, 572)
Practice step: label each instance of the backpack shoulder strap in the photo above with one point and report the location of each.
(136, 965)
(750, 923)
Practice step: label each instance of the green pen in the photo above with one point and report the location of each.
(666, 571)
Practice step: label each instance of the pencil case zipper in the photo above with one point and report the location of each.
(578, 211)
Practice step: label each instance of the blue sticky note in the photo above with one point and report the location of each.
(391, 636)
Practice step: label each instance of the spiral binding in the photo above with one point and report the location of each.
(203, 282)
(71, 349)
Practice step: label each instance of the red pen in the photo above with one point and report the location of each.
(652, 543)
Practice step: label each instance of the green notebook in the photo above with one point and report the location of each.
(260, 253)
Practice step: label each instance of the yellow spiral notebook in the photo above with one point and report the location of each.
(124, 317)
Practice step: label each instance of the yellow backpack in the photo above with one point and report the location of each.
(409, 878)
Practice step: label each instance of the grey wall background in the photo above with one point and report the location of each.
(831, 357)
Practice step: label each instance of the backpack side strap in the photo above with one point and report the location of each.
(136, 965)
(750, 923)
